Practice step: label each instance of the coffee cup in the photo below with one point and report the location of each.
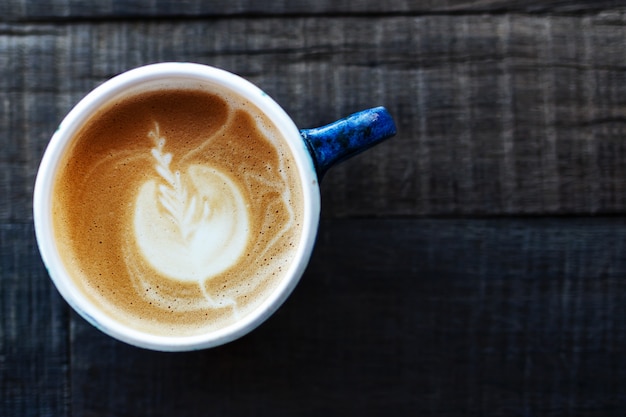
(176, 206)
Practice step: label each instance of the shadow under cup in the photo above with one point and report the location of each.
(179, 197)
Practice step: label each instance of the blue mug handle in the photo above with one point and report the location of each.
(347, 137)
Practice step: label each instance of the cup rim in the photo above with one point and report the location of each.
(42, 197)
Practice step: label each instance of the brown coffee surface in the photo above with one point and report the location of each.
(177, 211)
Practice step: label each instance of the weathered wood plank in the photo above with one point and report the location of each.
(497, 114)
(404, 317)
(33, 331)
(12, 10)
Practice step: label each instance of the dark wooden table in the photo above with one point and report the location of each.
(474, 265)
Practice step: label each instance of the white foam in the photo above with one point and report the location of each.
(193, 232)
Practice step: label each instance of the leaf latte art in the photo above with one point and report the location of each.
(178, 211)
(189, 235)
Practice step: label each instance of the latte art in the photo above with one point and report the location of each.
(178, 211)
(189, 226)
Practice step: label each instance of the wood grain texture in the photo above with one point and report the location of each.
(34, 331)
(404, 317)
(473, 265)
(497, 114)
(15, 10)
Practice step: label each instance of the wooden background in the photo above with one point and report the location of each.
(474, 265)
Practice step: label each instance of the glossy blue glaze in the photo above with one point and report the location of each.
(347, 137)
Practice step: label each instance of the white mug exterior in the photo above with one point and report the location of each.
(116, 87)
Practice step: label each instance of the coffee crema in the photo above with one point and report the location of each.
(177, 211)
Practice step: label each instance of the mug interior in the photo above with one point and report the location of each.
(149, 78)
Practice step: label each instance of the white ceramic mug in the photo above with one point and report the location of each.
(314, 151)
